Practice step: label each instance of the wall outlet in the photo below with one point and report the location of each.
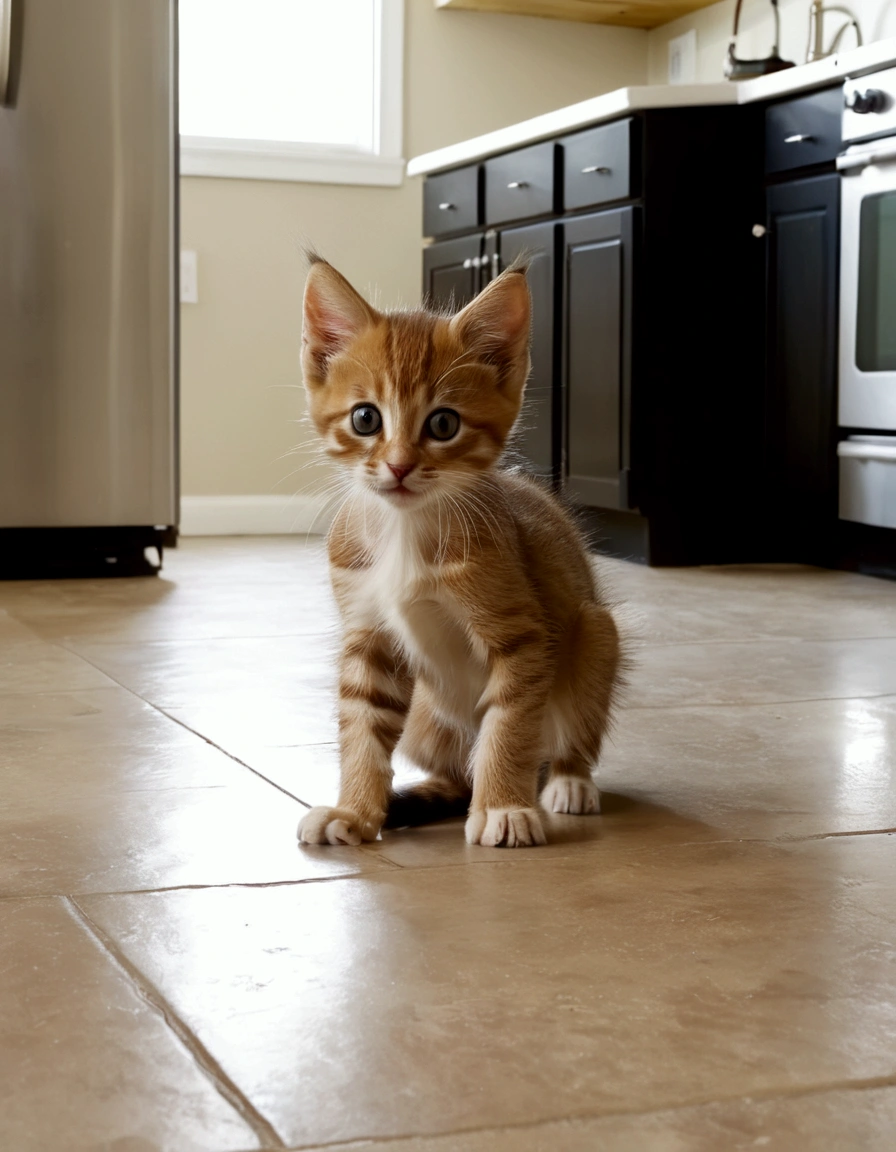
(683, 58)
(189, 277)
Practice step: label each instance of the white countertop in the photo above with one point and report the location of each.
(611, 105)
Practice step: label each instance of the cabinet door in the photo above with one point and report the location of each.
(801, 397)
(598, 275)
(539, 425)
(451, 272)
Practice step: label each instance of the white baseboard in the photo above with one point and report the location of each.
(252, 515)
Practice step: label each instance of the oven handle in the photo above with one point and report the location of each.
(858, 450)
(884, 152)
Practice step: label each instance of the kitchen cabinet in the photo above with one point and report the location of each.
(802, 140)
(597, 376)
(451, 271)
(803, 222)
(645, 405)
(538, 438)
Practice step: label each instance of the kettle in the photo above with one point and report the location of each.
(737, 69)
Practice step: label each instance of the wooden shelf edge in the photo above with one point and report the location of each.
(644, 14)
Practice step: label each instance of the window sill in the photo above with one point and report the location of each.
(269, 160)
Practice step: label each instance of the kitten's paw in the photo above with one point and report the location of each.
(335, 826)
(505, 828)
(571, 794)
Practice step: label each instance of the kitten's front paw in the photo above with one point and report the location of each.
(335, 826)
(505, 828)
(571, 794)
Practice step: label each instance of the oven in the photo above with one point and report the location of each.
(867, 369)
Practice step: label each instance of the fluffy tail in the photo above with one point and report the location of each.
(426, 803)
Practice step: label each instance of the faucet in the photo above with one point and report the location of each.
(815, 49)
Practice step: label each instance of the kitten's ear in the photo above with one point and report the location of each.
(495, 326)
(334, 314)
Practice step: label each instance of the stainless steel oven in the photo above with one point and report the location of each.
(867, 375)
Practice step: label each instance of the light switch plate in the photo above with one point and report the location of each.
(683, 58)
(189, 277)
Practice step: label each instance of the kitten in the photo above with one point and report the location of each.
(474, 632)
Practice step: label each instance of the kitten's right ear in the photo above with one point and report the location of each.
(334, 314)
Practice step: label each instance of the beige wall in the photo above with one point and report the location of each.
(465, 73)
(876, 17)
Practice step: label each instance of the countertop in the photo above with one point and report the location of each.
(611, 105)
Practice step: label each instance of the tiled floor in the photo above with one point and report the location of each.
(709, 965)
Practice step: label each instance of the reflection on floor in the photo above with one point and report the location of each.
(710, 964)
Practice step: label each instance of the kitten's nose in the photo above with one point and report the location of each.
(399, 471)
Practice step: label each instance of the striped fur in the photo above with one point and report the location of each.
(474, 632)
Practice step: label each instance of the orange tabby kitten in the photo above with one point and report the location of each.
(473, 628)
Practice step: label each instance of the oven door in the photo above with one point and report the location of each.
(868, 286)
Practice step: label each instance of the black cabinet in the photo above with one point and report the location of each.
(803, 132)
(452, 201)
(538, 439)
(451, 271)
(521, 184)
(801, 403)
(645, 402)
(597, 371)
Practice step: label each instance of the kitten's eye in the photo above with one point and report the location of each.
(366, 420)
(442, 425)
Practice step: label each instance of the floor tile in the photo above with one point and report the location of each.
(753, 602)
(102, 793)
(87, 1063)
(676, 675)
(672, 776)
(846, 1121)
(31, 664)
(208, 588)
(239, 693)
(426, 1001)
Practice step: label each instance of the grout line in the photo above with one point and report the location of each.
(835, 835)
(761, 1096)
(261, 884)
(201, 736)
(504, 859)
(774, 703)
(267, 1135)
(643, 642)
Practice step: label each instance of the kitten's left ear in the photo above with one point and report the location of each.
(334, 314)
(495, 326)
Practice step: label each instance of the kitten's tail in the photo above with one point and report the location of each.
(426, 803)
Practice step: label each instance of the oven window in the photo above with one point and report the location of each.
(876, 328)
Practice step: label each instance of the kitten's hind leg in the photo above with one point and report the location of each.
(442, 751)
(570, 788)
(582, 700)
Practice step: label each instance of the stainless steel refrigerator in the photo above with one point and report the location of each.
(88, 285)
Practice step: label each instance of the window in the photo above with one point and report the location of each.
(292, 89)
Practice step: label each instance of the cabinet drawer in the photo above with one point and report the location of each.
(451, 201)
(804, 131)
(597, 165)
(520, 184)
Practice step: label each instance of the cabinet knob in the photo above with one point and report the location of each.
(598, 168)
(759, 230)
(446, 207)
(518, 184)
(871, 100)
(799, 138)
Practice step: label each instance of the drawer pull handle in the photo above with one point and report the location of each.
(518, 184)
(598, 168)
(800, 138)
(446, 207)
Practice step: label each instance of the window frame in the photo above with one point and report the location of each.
(321, 164)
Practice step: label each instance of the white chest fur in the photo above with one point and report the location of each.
(402, 593)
